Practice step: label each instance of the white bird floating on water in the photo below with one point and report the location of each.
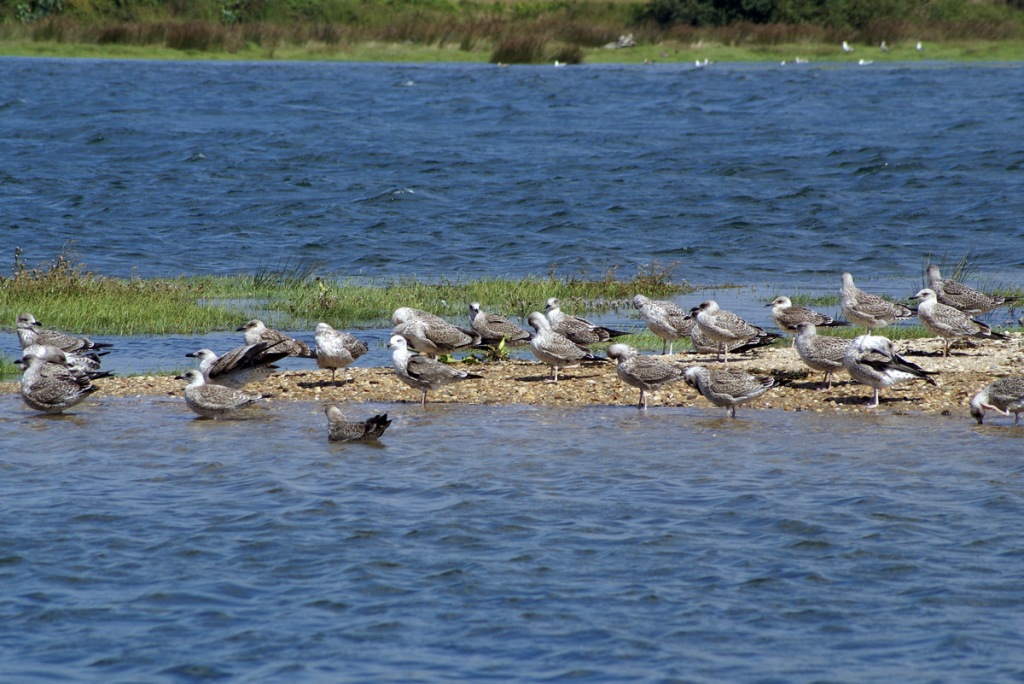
(48, 384)
(871, 311)
(1005, 396)
(727, 388)
(957, 295)
(948, 322)
(665, 319)
(255, 331)
(555, 349)
(821, 353)
(724, 327)
(339, 429)
(643, 372)
(872, 360)
(420, 372)
(336, 349)
(209, 400)
(240, 366)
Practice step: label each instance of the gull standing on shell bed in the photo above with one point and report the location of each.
(727, 388)
(665, 319)
(947, 322)
(209, 400)
(643, 372)
(341, 430)
(48, 385)
(1005, 396)
(959, 296)
(241, 365)
(423, 373)
(821, 353)
(724, 327)
(430, 334)
(871, 311)
(336, 349)
(493, 328)
(579, 330)
(787, 317)
(554, 349)
(255, 332)
(872, 360)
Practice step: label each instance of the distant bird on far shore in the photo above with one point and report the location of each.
(919, 47)
(846, 47)
(883, 47)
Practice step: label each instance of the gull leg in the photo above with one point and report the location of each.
(874, 402)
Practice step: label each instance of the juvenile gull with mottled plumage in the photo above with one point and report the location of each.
(665, 319)
(948, 322)
(494, 328)
(555, 349)
(430, 334)
(1005, 396)
(871, 311)
(727, 388)
(821, 353)
(872, 360)
(209, 400)
(339, 429)
(787, 317)
(959, 296)
(255, 331)
(239, 366)
(31, 331)
(723, 327)
(48, 384)
(579, 330)
(420, 372)
(336, 349)
(643, 372)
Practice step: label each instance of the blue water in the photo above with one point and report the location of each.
(139, 544)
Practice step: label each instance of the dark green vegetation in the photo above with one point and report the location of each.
(511, 31)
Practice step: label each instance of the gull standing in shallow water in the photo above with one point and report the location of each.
(1005, 396)
(820, 353)
(643, 372)
(959, 296)
(336, 349)
(872, 360)
(48, 384)
(341, 430)
(209, 400)
(579, 330)
(665, 319)
(255, 332)
(871, 311)
(727, 388)
(31, 331)
(555, 349)
(947, 322)
(241, 365)
(787, 317)
(493, 328)
(420, 372)
(724, 327)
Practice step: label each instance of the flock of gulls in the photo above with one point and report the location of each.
(59, 369)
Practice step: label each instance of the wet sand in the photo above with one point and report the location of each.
(969, 368)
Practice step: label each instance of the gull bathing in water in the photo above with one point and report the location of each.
(31, 331)
(866, 309)
(820, 353)
(336, 349)
(1005, 396)
(787, 317)
(959, 296)
(724, 327)
(555, 349)
(255, 332)
(48, 384)
(579, 330)
(420, 372)
(493, 328)
(209, 400)
(643, 372)
(726, 388)
(872, 360)
(947, 322)
(665, 319)
(341, 430)
(241, 365)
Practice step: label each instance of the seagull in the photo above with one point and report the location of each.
(787, 317)
(872, 360)
(31, 331)
(255, 331)
(865, 62)
(1005, 395)
(959, 296)
(823, 354)
(579, 330)
(866, 309)
(919, 47)
(723, 327)
(555, 349)
(665, 319)
(846, 47)
(241, 365)
(643, 372)
(420, 372)
(726, 388)
(341, 430)
(947, 322)
(430, 334)
(209, 400)
(48, 384)
(883, 47)
(702, 344)
(336, 349)
(493, 329)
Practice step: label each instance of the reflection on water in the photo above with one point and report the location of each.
(139, 542)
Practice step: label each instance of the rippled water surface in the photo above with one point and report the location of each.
(516, 543)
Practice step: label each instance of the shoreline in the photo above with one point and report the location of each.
(962, 375)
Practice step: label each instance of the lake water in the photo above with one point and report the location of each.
(510, 543)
